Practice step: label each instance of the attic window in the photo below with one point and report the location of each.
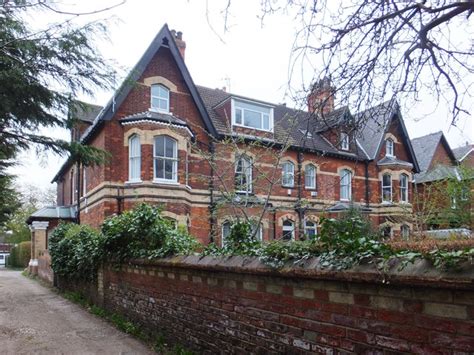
(389, 148)
(160, 98)
(344, 141)
(252, 115)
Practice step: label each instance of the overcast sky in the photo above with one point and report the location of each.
(250, 59)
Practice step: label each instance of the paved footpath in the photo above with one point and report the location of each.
(35, 320)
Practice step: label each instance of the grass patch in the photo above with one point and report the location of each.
(157, 341)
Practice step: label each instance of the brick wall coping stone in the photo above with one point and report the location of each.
(420, 273)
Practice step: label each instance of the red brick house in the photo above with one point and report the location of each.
(439, 164)
(208, 156)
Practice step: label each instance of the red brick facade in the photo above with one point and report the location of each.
(192, 200)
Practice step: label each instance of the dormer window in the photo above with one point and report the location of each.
(344, 141)
(389, 148)
(252, 115)
(160, 98)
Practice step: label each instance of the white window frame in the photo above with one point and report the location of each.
(312, 181)
(235, 102)
(345, 143)
(174, 159)
(247, 172)
(390, 147)
(165, 98)
(404, 189)
(134, 158)
(287, 229)
(73, 186)
(307, 228)
(405, 231)
(387, 187)
(344, 185)
(259, 235)
(287, 175)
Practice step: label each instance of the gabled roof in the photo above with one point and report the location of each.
(164, 38)
(462, 152)
(375, 122)
(439, 172)
(425, 148)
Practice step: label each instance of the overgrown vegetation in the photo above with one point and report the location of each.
(77, 250)
(343, 243)
(156, 341)
(20, 255)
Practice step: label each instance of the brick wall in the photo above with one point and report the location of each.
(239, 306)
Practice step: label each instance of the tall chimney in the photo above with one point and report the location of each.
(178, 38)
(321, 97)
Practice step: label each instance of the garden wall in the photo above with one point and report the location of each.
(240, 306)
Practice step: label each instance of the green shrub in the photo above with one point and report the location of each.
(277, 253)
(24, 254)
(143, 233)
(76, 251)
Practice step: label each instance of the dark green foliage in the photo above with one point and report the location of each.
(241, 241)
(9, 198)
(142, 232)
(20, 255)
(76, 251)
(30, 63)
(277, 253)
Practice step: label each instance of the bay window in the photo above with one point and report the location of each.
(403, 188)
(386, 188)
(165, 159)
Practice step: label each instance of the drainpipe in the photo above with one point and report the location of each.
(212, 206)
(367, 186)
(300, 209)
(78, 192)
(274, 224)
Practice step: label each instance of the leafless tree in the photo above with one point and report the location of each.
(376, 49)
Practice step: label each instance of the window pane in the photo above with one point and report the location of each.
(160, 146)
(169, 169)
(159, 169)
(238, 116)
(169, 147)
(266, 122)
(162, 104)
(252, 119)
(226, 227)
(387, 180)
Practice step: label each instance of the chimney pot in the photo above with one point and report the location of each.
(321, 97)
(178, 38)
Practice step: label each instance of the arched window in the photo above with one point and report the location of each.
(387, 188)
(310, 229)
(226, 228)
(405, 231)
(134, 158)
(160, 98)
(310, 176)
(288, 174)
(346, 185)
(344, 141)
(243, 174)
(288, 230)
(389, 148)
(404, 188)
(165, 159)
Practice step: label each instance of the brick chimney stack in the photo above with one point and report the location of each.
(178, 38)
(321, 97)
